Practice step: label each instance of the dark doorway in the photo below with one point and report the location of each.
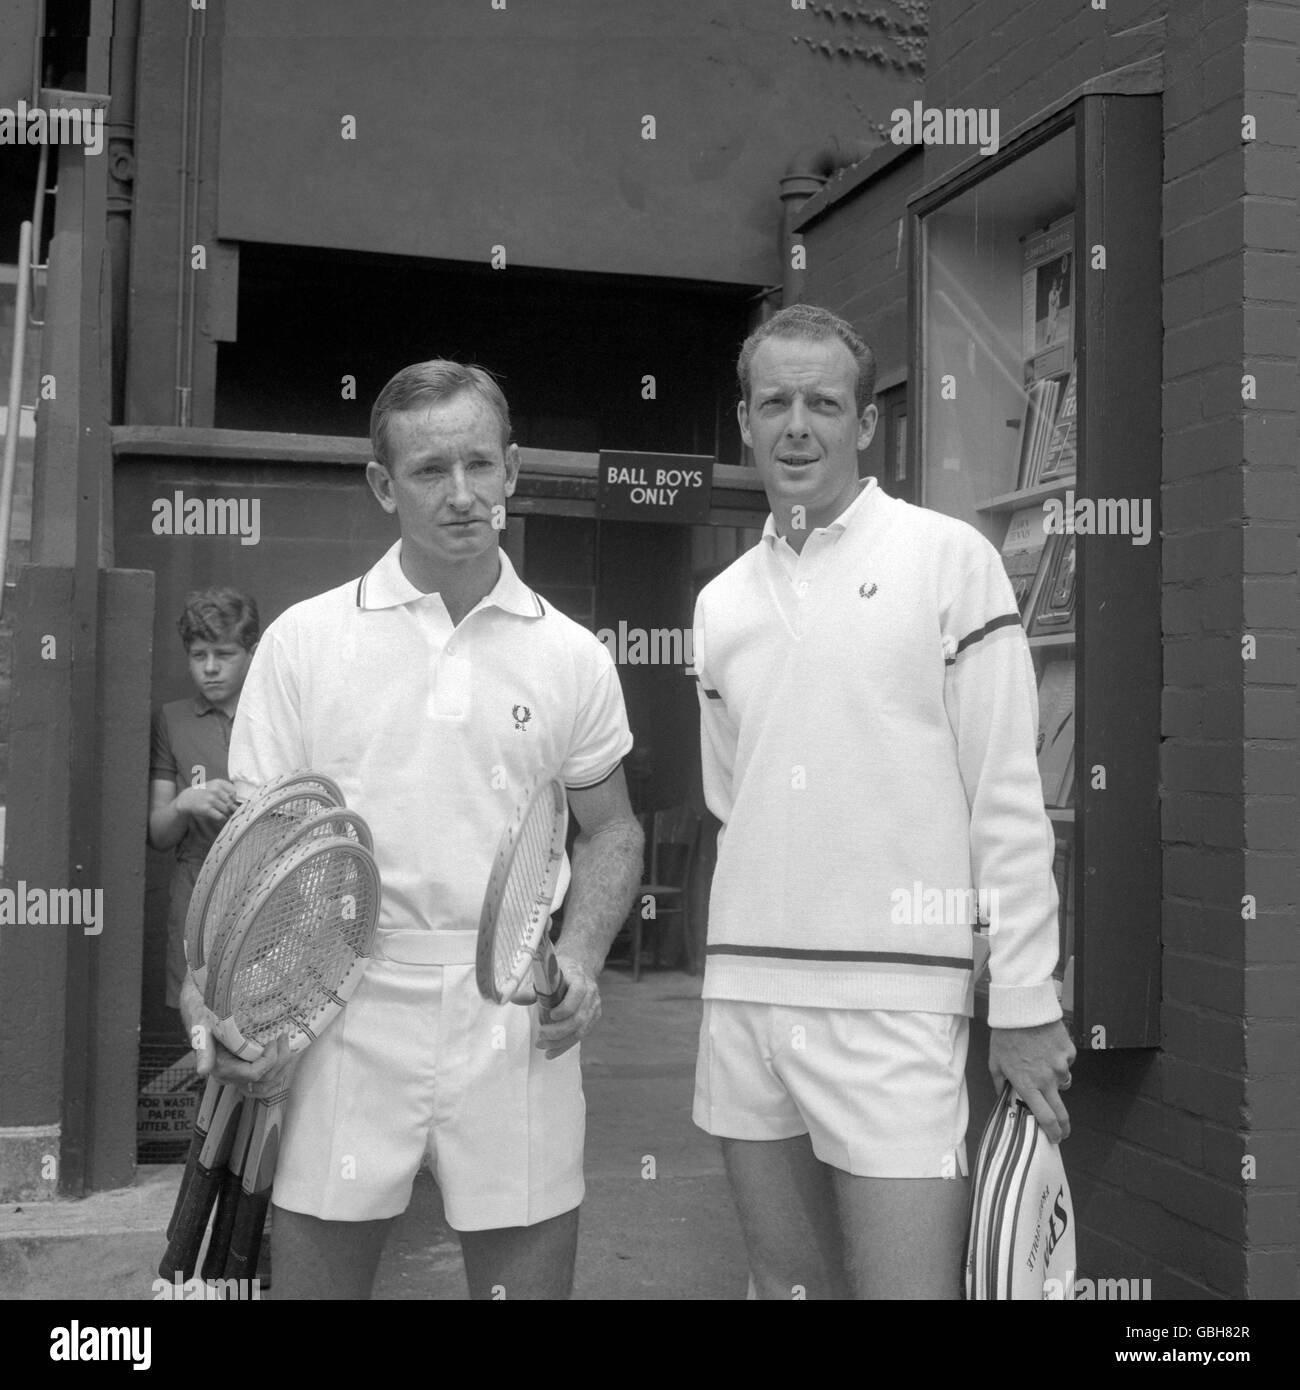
(572, 351)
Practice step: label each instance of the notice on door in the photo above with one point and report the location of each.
(654, 487)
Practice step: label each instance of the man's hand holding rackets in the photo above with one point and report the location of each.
(213, 1059)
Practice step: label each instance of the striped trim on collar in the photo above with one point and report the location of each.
(385, 585)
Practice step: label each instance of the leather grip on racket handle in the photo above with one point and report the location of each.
(223, 1223)
(202, 1124)
(194, 1202)
(246, 1237)
(549, 983)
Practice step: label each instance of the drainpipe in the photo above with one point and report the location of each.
(121, 184)
(807, 174)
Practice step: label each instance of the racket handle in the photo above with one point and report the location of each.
(202, 1123)
(246, 1238)
(194, 1202)
(223, 1224)
(549, 983)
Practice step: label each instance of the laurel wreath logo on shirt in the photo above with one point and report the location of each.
(866, 591)
(522, 714)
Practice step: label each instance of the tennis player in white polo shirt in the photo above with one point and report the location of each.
(433, 688)
(868, 716)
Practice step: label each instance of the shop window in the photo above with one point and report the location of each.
(1037, 324)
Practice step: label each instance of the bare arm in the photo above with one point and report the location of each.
(607, 860)
(170, 811)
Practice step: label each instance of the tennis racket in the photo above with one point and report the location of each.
(513, 940)
(289, 965)
(334, 822)
(256, 831)
(260, 828)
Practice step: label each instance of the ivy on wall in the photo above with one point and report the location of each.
(897, 43)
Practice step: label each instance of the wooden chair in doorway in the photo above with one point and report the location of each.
(672, 842)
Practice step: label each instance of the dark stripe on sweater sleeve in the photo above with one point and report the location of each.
(1005, 620)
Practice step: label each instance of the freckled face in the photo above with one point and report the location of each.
(802, 424)
(447, 478)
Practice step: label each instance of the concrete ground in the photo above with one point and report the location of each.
(657, 1221)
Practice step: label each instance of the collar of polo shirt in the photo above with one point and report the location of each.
(841, 522)
(202, 706)
(386, 586)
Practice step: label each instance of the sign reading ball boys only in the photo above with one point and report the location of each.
(654, 487)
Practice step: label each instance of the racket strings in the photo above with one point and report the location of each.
(524, 913)
(256, 847)
(302, 945)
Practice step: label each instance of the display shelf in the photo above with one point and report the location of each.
(1010, 501)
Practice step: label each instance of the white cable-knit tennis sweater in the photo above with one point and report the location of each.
(869, 717)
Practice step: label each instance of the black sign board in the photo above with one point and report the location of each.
(654, 487)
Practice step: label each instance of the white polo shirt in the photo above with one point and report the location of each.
(431, 731)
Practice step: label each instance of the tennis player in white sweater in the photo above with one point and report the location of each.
(868, 723)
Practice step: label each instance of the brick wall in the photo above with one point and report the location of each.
(857, 265)
(1270, 511)
(1163, 1144)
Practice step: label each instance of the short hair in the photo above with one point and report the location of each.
(815, 324)
(427, 383)
(218, 615)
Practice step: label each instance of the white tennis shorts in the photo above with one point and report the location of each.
(881, 1094)
(419, 1067)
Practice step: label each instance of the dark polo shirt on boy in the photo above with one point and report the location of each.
(190, 742)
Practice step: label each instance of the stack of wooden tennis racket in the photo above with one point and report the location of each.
(280, 924)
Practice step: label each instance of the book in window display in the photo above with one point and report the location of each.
(1054, 601)
(1036, 434)
(1062, 452)
(1022, 552)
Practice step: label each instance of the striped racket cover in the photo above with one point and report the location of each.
(1020, 1244)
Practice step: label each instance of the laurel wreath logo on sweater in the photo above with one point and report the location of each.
(866, 591)
(521, 714)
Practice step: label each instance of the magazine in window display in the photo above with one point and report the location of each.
(1047, 296)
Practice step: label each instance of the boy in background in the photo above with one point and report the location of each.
(190, 796)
